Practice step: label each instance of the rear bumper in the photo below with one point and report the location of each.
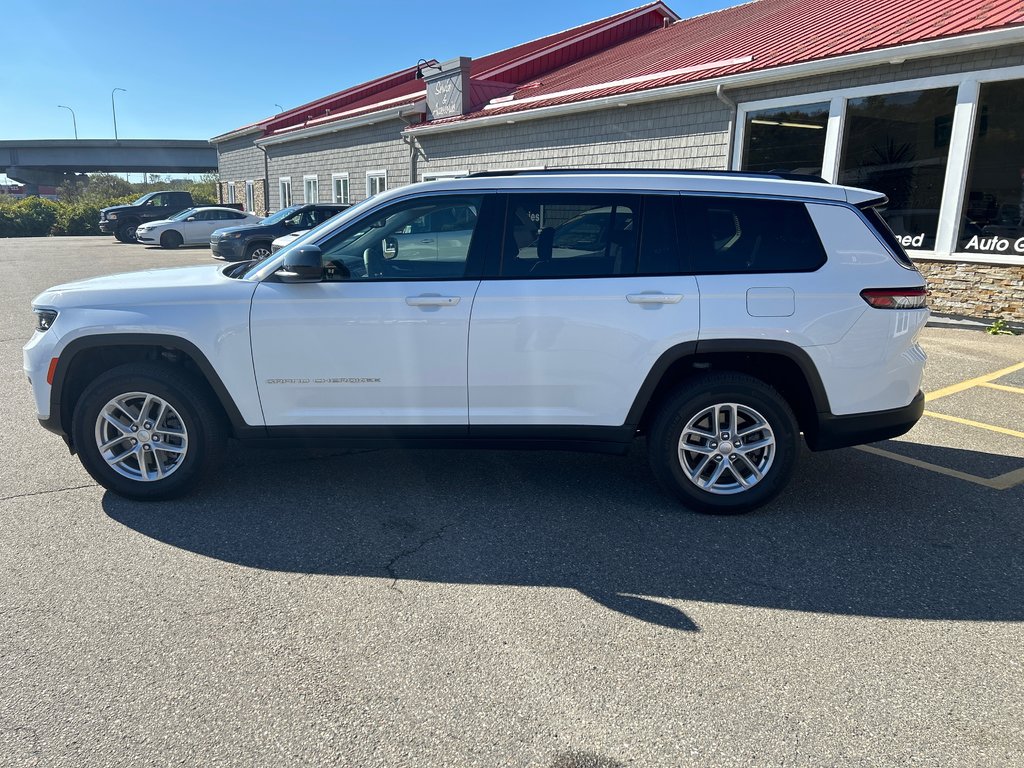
(859, 428)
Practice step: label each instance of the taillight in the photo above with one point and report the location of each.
(896, 298)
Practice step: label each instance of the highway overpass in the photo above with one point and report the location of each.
(50, 161)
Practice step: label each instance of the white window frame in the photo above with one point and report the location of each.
(250, 196)
(282, 183)
(380, 173)
(231, 192)
(306, 197)
(348, 188)
(957, 166)
(439, 175)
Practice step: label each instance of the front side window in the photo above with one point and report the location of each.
(157, 200)
(427, 238)
(311, 189)
(732, 235)
(570, 235)
(285, 188)
(993, 216)
(898, 144)
(786, 139)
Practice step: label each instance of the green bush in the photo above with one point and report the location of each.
(77, 219)
(31, 217)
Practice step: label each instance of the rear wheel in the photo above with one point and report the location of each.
(725, 443)
(257, 251)
(147, 431)
(126, 232)
(170, 239)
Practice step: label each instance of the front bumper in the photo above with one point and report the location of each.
(229, 250)
(860, 428)
(147, 237)
(108, 227)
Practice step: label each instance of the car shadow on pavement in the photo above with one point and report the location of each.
(854, 534)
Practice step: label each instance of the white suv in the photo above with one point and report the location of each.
(720, 315)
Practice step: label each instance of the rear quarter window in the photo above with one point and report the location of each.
(727, 235)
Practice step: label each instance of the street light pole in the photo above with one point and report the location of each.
(73, 121)
(113, 110)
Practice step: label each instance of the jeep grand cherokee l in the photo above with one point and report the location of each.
(720, 315)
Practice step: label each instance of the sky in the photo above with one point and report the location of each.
(199, 69)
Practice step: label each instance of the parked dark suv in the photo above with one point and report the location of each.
(253, 242)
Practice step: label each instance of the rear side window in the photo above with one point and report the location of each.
(659, 241)
(882, 229)
(570, 235)
(726, 235)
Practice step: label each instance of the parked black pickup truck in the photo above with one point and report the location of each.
(121, 221)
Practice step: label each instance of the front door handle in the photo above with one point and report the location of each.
(427, 240)
(432, 301)
(654, 298)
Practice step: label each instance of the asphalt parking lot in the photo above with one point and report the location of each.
(454, 608)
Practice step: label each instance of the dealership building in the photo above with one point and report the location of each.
(922, 100)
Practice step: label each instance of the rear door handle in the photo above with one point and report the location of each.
(654, 298)
(432, 301)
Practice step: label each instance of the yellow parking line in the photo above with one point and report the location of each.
(978, 380)
(999, 483)
(980, 425)
(1002, 387)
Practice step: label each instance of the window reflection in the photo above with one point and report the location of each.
(993, 219)
(786, 139)
(898, 144)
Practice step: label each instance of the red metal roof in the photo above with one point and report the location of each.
(772, 33)
(515, 65)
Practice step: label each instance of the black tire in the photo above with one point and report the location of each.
(197, 412)
(171, 239)
(729, 495)
(257, 251)
(126, 231)
(117, 236)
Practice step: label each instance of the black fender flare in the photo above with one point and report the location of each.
(60, 412)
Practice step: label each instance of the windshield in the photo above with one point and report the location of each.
(261, 269)
(183, 215)
(284, 213)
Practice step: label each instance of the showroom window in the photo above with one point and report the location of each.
(311, 189)
(250, 197)
(786, 138)
(993, 217)
(898, 144)
(339, 188)
(285, 189)
(376, 182)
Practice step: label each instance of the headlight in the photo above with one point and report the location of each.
(111, 216)
(44, 319)
(231, 236)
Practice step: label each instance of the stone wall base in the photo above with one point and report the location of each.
(984, 291)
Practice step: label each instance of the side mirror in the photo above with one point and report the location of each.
(302, 265)
(390, 247)
(191, 218)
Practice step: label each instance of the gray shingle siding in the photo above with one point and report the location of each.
(689, 132)
(355, 151)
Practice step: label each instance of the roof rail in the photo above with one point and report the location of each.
(786, 175)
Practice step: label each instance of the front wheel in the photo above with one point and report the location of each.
(126, 232)
(148, 431)
(725, 443)
(257, 251)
